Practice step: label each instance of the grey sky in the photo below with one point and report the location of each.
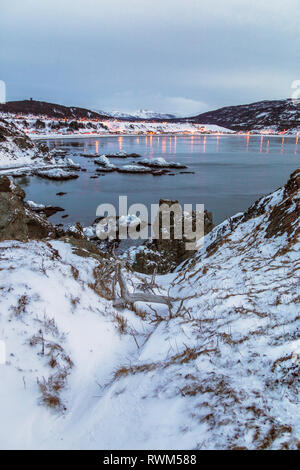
(184, 56)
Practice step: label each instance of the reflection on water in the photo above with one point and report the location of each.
(230, 172)
(24, 181)
(120, 140)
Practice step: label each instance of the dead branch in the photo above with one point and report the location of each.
(128, 298)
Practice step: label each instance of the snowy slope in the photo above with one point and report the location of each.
(19, 154)
(220, 369)
(15, 147)
(142, 114)
(274, 116)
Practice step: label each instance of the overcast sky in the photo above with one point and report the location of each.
(179, 56)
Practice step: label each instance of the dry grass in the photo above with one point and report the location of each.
(121, 323)
(75, 273)
(22, 304)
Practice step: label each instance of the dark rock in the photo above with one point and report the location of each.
(155, 164)
(49, 210)
(165, 255)
(104, 169)
(89, 155)
(123, 155)
(17, 221)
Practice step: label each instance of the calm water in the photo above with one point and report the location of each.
(230, 173)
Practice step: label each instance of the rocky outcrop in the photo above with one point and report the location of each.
(9, 131)
(164, 255)
(18, 221)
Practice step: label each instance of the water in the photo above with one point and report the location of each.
(231, 172)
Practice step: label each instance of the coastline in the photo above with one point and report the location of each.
(97, 136)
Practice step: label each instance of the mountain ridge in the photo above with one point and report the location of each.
(276, 116)
(280, 115)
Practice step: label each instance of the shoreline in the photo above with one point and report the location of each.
(97, 136)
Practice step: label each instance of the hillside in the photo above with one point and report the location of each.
(216, 369)
(281, 116)
(42, 108)
(19, 155)
(143, 114)
(277, 116)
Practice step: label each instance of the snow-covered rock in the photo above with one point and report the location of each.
(56, 174)
(34, 206)
(105, 164)
(160, 163)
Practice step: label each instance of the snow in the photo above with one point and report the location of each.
(109, 127)
(129, 220)
(104, 161)
(12, 156)
(160, 163)
(217, 370)
(56, 174)
(134, 169)
(34, 206)
(140, 114)
(18, 158)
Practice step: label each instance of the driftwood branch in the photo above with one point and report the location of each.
(128, 298)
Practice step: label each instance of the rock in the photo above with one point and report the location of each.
(105, 164)
(58, 153)
(57, 174)
(17, 220)
(49, 210)
(140, 169)
(123, 155)
(165, 255)
(160, 163)
(89, 155)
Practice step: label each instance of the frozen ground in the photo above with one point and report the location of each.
(219, 369)
(20, 155)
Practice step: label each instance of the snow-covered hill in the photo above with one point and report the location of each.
(142, 114)
(218, 368)
(273, 116)
(40, 126)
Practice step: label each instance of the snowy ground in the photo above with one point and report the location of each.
(20, 155)
(218, 370)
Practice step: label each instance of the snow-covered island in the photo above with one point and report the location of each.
(95, 355)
